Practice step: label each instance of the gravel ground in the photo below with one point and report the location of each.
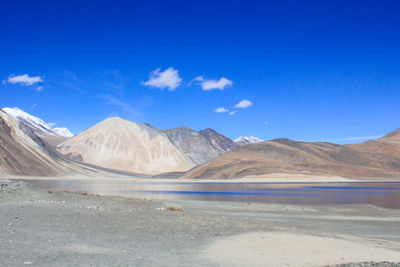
(57, 228)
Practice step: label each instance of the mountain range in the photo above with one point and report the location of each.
(29, 146)
(122, 145)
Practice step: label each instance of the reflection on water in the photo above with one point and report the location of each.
(385, 194)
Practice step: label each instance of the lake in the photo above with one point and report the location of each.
(384, 194)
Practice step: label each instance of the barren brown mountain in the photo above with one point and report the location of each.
(370, 159)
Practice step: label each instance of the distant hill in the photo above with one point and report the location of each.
(370, 159)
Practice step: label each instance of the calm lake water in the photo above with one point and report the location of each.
(384, 194)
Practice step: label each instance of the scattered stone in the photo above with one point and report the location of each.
(27, 263)
(94, 207)
(10, 224)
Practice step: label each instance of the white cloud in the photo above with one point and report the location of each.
(232, 112)
(39, 89)
(221, 110)
(24, 79)
(51, 124)
(208, 85)
(168, 78)
(244, 104)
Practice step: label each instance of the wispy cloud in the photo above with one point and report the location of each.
(168, 78)
(357, 138)
(24, 79)
(208, 85)
(232, 112)
(244, 104)
(112, 100)
(199, 79)
(221, 110)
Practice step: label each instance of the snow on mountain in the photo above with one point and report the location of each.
(37, 122)
(244, 140)
(63, 132)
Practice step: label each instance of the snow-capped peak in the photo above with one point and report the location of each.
(63, 132)
(36, 122)
(247, 140)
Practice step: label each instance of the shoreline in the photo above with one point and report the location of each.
(267, 178)
(252, 179)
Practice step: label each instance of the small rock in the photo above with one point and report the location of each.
(27, 263)
(10, 224)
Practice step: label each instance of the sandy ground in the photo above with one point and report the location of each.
(281, 248)
(56, 228)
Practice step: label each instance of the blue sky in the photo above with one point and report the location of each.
(310, 70)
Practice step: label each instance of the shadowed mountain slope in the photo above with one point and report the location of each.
(201, 146)
(23, 152)
(52, 136)
(219, 142)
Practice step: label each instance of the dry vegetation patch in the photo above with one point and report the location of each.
(172, 208)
